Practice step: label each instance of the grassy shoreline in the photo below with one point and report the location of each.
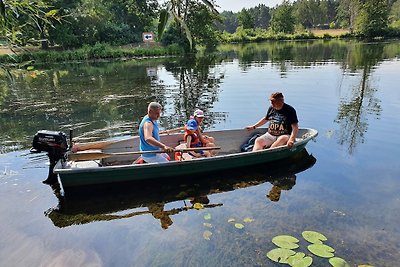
(105, 52)
(97, 52)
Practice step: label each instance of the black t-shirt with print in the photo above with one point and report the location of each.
(280, 121)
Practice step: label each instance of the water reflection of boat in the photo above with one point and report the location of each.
(113, 163)
(150, 197)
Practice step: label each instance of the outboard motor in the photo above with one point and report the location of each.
(55, 144)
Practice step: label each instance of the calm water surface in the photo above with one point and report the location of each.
(345, 185)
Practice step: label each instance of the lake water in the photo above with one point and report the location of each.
(345, 185)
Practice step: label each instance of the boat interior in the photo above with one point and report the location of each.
(228, 142)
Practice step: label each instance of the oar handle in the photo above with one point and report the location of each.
(172, 130)
(81, 156)
(162, 151)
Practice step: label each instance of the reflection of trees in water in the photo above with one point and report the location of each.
(353, 56)
(108, 99)
(285, 55)
(198, 87)
(353, 111)
(102, 99)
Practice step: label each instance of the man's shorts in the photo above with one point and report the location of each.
(158, 158)
(269, 139)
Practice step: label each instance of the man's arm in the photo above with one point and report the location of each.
(292, 138)
(261, 122)
(148, 136)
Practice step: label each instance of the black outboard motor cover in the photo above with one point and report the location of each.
(50, 141)
(55, 144)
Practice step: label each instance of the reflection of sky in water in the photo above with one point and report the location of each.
(352, 199)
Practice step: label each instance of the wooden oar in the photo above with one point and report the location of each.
(173, 130)
(81, 156)
(93, 145)
(103, 144)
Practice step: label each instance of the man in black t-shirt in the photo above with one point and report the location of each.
(283, 124)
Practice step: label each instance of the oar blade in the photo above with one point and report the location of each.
(87, 156)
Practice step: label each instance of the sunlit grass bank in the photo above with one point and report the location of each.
(95, 52)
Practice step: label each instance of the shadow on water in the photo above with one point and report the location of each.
(102, 203)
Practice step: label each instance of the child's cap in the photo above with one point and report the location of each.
(191, 124)
(198, 113)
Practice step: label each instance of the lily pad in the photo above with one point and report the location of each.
(231, 220)
(285, 241)
(338, 262)
(321, 250)
(209, 225)
(198, 206)
(297, 256)
(207, 234)
(280, 255)
(299, 260)
(248, 220)
(239, 225)
(207, 216)
(314, 237)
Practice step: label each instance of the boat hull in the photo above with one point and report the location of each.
(134, 172)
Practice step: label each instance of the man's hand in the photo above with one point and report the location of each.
(249, 128)
(290, 143)
(168, 149)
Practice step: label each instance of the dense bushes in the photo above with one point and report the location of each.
(258, 35)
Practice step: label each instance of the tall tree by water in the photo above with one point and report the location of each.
(347, 13)
(315, 13)
(373, 18)
(229, 23)
(246, 20)
(282, 18)
(181, 12)
(261, 15)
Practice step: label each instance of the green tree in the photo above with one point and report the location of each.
(282, 18)
(395, 10)
(373, 18)
(179, 10)
(246, 20)
(203, 29)
(115, 22)
(202, 23)
(229, 21)
(394, 15)
(25, 21)
(261, 15)
(347, 13)
(308, 13)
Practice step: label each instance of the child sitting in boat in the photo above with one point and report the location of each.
(192, 139)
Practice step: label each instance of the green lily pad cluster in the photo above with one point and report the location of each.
(317, 247)
(240, 225)
(285, 252)
(207, 233)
